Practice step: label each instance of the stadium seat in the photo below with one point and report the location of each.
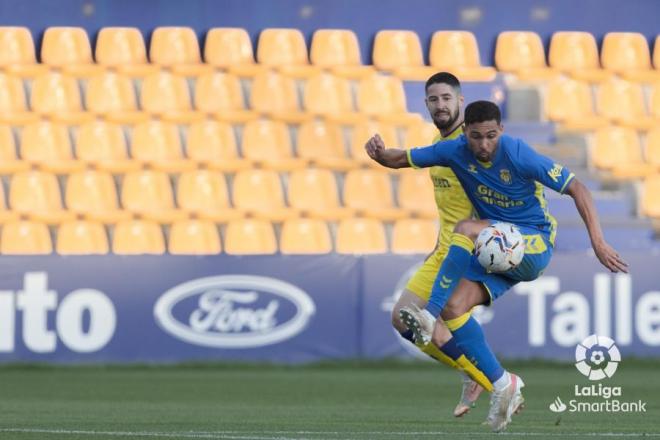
(17, 55)
(81, 237)
(123, 49)
(414, 236)
(166, 96)
(569, 102)
(416, 193)
(421, 134)
(111, 96)
(36, 194)
(576, 54)
(382, 97)
(330, 97)
(617, 151)
(220, 95)
(314, 192)
(48, 146)
(361, 133)
(259, 193)
(13, 107)
(522, 54)
(652, 148)
(68, 49)
(250, 236)
(268, 143)
(457, 52)
(338, 50)
(275, 96)
(230, 49)
(93, 194)
(9, 161)
(361, 236)
(103, 145)
(623, 102)
(194, 237)
(627, 54)
(148, 193)
(56, 96)
(5, 214)
(654, 101)
(656, 53)
(25, 238)
(369, 192)
(212, 144)
(285, 50)
(322, 145)
(305, 236)
(400, 52)
(158, 145)
(203, 194)
(138, 237)
(176, 48)
(650, 197)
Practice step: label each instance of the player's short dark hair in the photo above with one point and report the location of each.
(482, 111)
(444, 78)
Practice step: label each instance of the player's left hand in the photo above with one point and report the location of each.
(610, 258)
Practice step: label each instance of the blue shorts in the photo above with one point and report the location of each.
(538, 251)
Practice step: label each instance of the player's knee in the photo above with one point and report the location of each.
(454, 308)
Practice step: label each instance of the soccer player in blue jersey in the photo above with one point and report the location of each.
(503, 177)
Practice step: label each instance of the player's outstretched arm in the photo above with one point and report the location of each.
(387, 157)
(585, 206)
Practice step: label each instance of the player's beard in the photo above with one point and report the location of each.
(446, 124)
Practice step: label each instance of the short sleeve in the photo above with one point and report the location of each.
(542, 169)
(436, 154)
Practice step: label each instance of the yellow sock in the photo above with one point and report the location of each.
(463, 362)
(439, 356)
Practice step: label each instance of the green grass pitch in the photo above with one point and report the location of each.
(334, 401)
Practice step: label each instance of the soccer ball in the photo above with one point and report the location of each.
(500, 247)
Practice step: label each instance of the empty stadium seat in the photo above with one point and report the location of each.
(338, 50)
(400, 52)
(268, 143)
(48, 146)
(231, 49)
(194, 237)
(148, 193)
(627, 54)
(458, 52)
(9, 161)
(203, 193)
(275, 95)
(177, 48)
(285, 49)
(617, 150)
(13, 106)
(68, 49)
(158, 144)
(330, 97)
(382, 97)
(167, 96)
(138, 237)
(220, 95)
(570, 103)
(414, 236)
(322, 145)
(81, 237)
(416, 193)
(361, 236)
(37, 195)
(57, 97)
(314, 192)
(305, 236)
(5, 214)
(123, 49)
(420, 134)
(103, 145)
(250, 236)
(112, 97)
(650, 200)
(259, 192)
(93, 194)
(369, 192)
(25, 238)
(623, 102)
(522, 54)
(213, 144)
(652, 148)
(576, 54)
(17, 55)
(361, 133)
(654, 101)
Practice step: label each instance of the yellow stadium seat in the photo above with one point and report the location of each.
(231, 49)
(158, 144)
(268, 143)
(361, 236)
(570, 102)
(212, 144)
(416, 194)
(650, 200)
(330, 97)
(400, 52)
(259, 192)
(656, 53)
(250, 236)
(382, 97)
(361, 133)
(68, 49)
(220, 95)
(305, 236)
(25, 238)
(37, 195)
(419, 135)
(654, 101)
(285, 49)
(194, 237)
(576, 54)
(314, 192)
(617, 151)
(623, 102)
(369, 192)
(458, 52)
(112, 96)
(148, 193)
(9, 161)
(322, 145)
(103, 145)
(81, 237)
(138, 237)
(13, 107)
(275, 96)
(57, 97)
(338, 50)
(17, 55)
(5, 214)
(93, 194)
(167, 96)
(123, 49)
(414, 236)
(203, 194)
(48, 146)
(627, 54)
(652, 148)
(177, 48)
(522, 54)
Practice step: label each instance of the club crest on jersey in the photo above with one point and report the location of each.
(472, 168)
(505, 175)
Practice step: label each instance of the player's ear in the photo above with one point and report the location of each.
(461, 100)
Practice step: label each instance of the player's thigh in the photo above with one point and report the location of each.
(407, 299)
(538, 253)
(467, 295)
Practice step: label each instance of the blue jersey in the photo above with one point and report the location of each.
(509, 188)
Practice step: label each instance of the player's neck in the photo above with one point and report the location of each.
(449, 131)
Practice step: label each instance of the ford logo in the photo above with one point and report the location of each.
(234, 311)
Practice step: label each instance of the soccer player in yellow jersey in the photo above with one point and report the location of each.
(444, 102)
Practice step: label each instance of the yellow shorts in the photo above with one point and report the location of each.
(422, 281)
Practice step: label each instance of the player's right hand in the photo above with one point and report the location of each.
(374, 146)
(610, 258)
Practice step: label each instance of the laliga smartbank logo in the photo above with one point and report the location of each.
(597, 358)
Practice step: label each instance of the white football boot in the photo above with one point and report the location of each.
(419, 321)
(504, 403)
(469, 395)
